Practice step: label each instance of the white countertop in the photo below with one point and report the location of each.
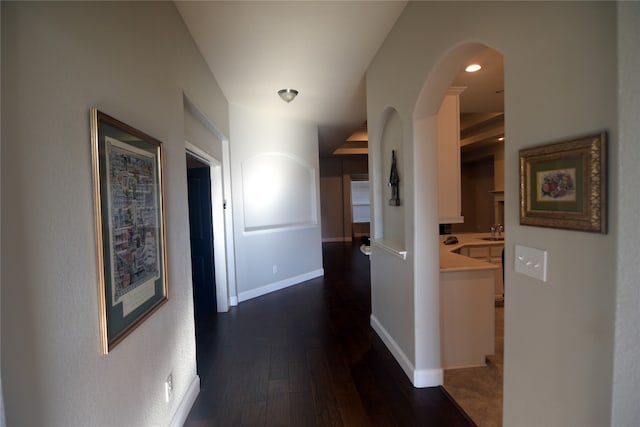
(450, 261)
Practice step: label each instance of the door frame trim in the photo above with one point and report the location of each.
(220, 253)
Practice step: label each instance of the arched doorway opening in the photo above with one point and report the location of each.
(480, 119)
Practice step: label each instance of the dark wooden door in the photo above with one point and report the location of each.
(201, 230)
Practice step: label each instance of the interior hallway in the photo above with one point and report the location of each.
(306, 356)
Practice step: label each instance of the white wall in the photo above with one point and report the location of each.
(2, 417)
(626, 377)
(197, 132)
(560, 74)
(134, 61)
(276, 201)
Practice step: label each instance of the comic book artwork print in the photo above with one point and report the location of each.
(133, 219)
(557, 185)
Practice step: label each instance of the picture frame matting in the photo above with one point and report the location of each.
(129, 226)
(564, 184)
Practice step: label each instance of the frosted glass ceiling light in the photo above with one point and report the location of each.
(288, 95)
(472, 68)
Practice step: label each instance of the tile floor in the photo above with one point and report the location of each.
(479, 390)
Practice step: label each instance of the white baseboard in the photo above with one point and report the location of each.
(233, 301)
(272, 287)
(186, 404)
(336, 239)
(419, 378)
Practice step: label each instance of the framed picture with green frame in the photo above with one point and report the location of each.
(130, 227)
(564, 184)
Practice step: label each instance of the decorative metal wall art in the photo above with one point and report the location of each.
(394, 180)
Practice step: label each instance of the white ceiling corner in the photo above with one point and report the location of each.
(321, 48)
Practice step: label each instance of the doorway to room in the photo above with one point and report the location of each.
(477, 389)
(202, 251)
(201, 234)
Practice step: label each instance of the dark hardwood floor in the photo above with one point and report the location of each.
(306, 356)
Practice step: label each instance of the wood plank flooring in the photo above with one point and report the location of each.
(306, 356)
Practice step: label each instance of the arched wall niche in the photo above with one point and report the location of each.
(393, 217)
(387, 136)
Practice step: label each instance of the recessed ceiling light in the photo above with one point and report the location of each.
(501, 138)
(472, 68)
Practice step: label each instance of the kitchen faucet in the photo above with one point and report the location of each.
(499, 228)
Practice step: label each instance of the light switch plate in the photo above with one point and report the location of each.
(531, 262)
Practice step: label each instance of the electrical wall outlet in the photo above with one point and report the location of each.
(531, 262)
(275, 269)
(168, 388)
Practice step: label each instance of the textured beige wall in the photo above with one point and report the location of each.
(626, 379)
(559, 58)
(134, 61)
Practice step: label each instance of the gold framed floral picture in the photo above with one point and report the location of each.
(563, 184)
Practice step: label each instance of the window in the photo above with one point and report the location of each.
(360, 205)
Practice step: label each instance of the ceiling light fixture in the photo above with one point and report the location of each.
(288, 95)
(472, 68)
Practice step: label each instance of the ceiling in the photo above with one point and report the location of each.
(484, 91)
(320, 48)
